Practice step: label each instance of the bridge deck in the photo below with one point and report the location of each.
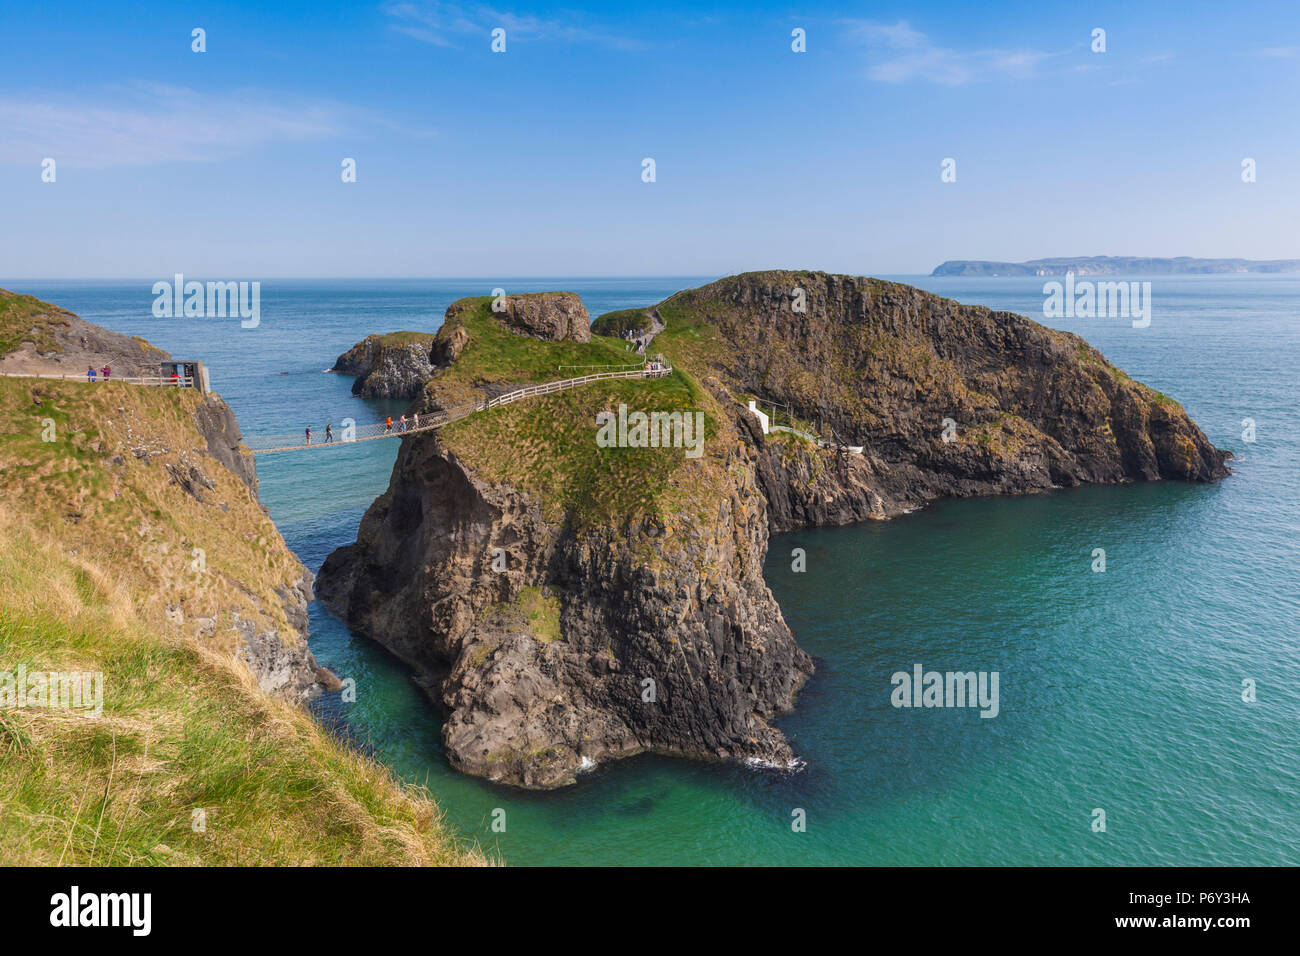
(270, 444)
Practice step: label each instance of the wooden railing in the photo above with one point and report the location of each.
(155, 381)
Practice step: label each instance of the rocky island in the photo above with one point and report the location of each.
(398, 364)
(565, 603)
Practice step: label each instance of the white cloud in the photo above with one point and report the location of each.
(900, 53)
(1279, 52)
(146, 125)
(435, 22)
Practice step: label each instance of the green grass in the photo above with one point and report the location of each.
(180, 733)
(95, 546)
(495, 354)
(690, 340)
(535, 608)
(25, 318)
(620, 323)
(547, 446)
(406, 338)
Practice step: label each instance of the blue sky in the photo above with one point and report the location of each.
(226, 164)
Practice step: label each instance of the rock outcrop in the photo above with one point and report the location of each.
(587, 644)
(565, 604)
(37, 338)
(397, 365)
(220, 429)
(389, 366)
(947, 400)
(550, 316)
(285, 668)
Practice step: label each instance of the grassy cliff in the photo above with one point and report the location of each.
(546, 446)
(622, 323)
(127, 550)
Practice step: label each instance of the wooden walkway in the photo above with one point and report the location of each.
(270, 444)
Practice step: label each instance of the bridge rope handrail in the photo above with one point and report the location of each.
(266, 444)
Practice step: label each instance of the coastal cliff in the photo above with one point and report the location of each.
(134, 553)
(566, 603)
(946, 399)
(395, 365)
(1116, 265)
(142, 450)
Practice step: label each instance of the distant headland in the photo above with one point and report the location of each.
(1114, 265)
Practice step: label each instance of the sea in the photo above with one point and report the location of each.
(1147, 713)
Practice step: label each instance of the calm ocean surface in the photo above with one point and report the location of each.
(1120, 691)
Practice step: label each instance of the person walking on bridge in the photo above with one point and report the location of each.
(90, 374)
(329, 434)
(388, 425)
(308, 434)
(403, 420)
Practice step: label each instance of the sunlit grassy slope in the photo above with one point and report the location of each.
(547, 445)
(190, 762)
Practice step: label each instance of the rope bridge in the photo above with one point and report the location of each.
(268, 444)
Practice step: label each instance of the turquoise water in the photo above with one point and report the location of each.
(1119, 690)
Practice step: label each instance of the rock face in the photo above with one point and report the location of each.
(639, 657)
(551, 316)
(807, 487)
(389, 366)
(218, 426)
(887, 366)
(47, 340)
(282, 668)
(552, 642)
